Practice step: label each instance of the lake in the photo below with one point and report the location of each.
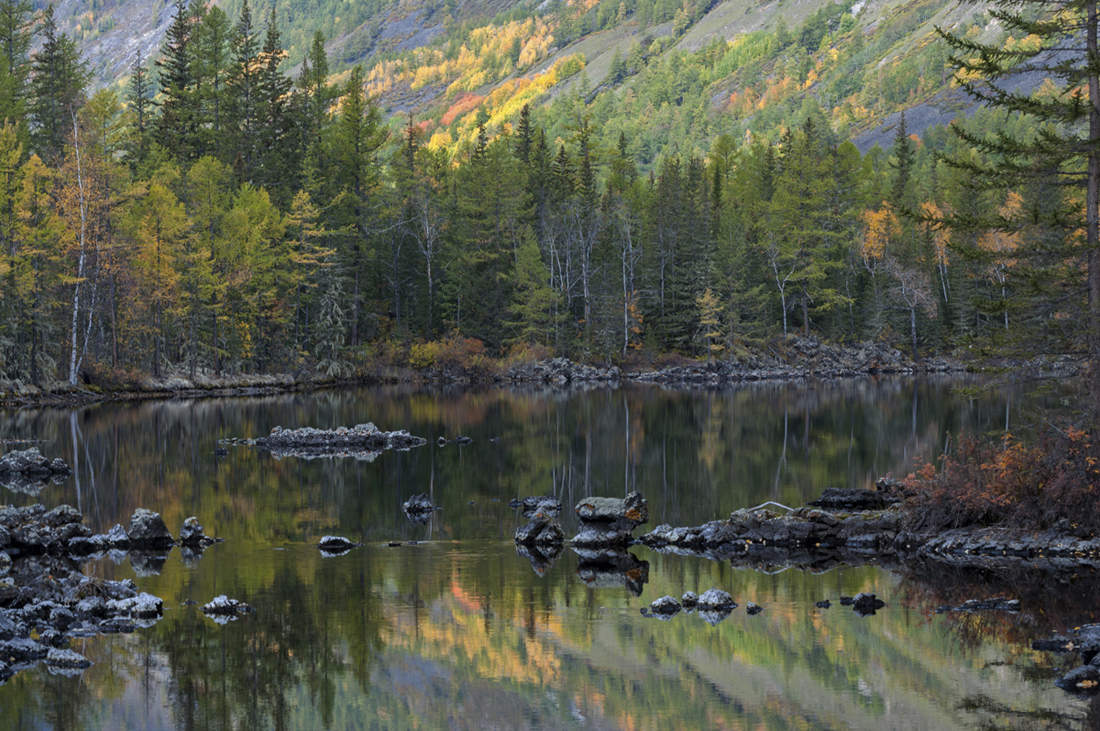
(455, 629)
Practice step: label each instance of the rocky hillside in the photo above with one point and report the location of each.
(688, 71)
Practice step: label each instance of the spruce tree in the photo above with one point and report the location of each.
(57, 89)
(15, 41)
(177, 128)
(1063, 48)
(277, 164)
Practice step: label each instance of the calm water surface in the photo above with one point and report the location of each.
(460, 631)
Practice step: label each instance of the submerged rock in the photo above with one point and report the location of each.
(147, 530)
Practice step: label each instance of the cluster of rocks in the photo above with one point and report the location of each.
(561, 372)
(795, 358)
(45, 599)
(363, 441)
(28, 471)
(713, 605)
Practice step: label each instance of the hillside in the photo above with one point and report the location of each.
(690, 72)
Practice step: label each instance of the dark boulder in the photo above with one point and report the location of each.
(147, 531)
(335, 545)
(866, 604)
(193, 536)
(540, 532)
(716, 599)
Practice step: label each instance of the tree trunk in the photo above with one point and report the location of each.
(913, 330)
(80, 260)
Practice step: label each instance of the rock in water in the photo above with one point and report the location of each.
(753, 608)
(363, 441)
(866, 603)
(192, 535)
(716, 599)
(664, 608)
(418, 508)
(147, 530)
(540, 532)
(66, 660)
(607, 522)
(537, 505)
(31, 464)
(690, 599)
(335, 545)
(222, 609)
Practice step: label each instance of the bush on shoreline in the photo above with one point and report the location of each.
(1052, 484)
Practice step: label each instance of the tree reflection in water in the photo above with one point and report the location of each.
(460, 631)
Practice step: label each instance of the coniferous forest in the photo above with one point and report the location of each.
(224, 215)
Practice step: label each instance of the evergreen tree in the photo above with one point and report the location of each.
(243, 95)
(15, 67)
(177, 128)
(1063, 47)
(277, 162)
(57, 89)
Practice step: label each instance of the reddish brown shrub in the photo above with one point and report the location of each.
(1055, 482)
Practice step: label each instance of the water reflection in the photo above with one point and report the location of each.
(460, 630)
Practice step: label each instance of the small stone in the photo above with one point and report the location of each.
(67, 659)
(866, 604)
(823, 604)
(689, 599)
(665, 605)
(753, 608)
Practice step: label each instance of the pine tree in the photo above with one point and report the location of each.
(139, 98)
(243, 95)
(57, 89)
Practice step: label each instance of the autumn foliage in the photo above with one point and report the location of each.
(1051, 484)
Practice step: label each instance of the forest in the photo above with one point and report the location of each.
(222, 216)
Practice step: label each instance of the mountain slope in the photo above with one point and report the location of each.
(665, 75)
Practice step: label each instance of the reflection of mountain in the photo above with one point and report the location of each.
(441, 635)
